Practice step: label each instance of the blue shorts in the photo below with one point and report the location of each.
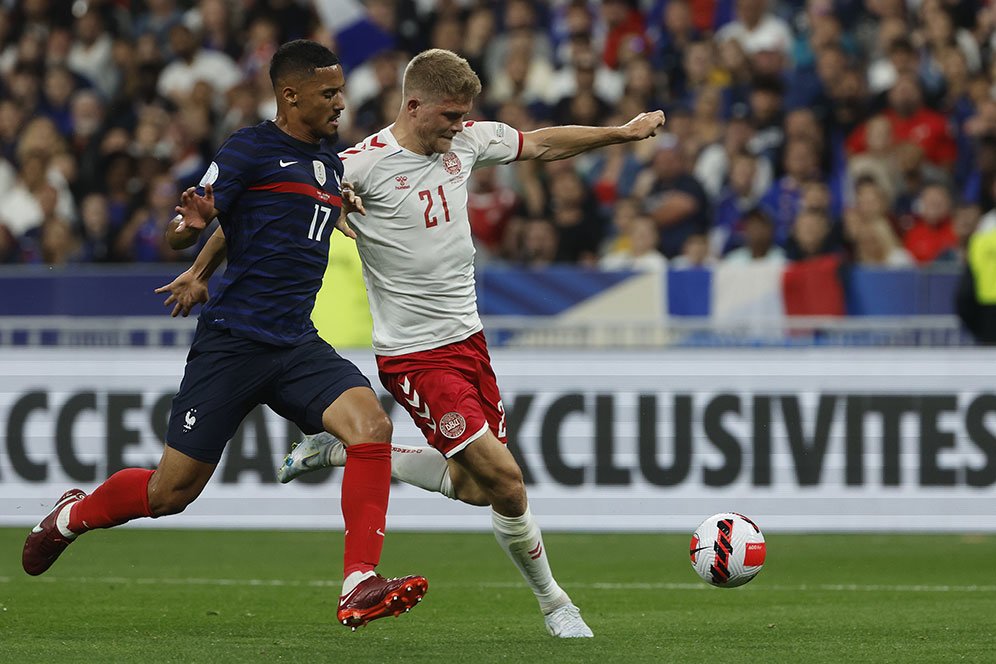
(227, 376)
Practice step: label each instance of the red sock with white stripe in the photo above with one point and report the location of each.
(522, 540)
(122, 497)
(366, 488)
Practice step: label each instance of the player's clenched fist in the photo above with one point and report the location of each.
(645, 125)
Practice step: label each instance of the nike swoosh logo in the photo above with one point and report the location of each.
(380, 532)
(701, 548)
(345, 599)
(36, 529)
(285, 164)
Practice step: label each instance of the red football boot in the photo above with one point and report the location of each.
(45, 543)
(377, 597)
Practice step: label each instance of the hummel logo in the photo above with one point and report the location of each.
(285, 164)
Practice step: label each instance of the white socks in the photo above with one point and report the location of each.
(354, 580)
(62, 522)
(521, 538)
(423, 467)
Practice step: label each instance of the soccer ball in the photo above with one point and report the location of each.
(727, 550)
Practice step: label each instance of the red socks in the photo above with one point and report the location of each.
(366, 487)
(122, 497)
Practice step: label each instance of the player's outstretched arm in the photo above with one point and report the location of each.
(552, 143)
(191, 287)
(194, 213)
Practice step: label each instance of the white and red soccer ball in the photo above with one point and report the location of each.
(727, 550)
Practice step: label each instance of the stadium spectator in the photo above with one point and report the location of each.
(672, 196)
(912, 121)
(767, 110)
(214, 21)
(159, 18)
(700, 69)
(58, 244)
(759, 241)
(757, 29)
(613, 172)
(193, 64)
(714, 165)
(22, 210)
(143, 238)
(97, 237)
(641, 253)
(520, 26)
(576, 215)
(876, 245)
(898, 58)
(694, 254)
(91, 55)
(490, 208)
(782, 200)
(566, 108)
(931, 237)
(539, 244)
(812, 235)
(625, 32)
(739, 196)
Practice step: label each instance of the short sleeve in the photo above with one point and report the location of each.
(496, 142)
(230, 173)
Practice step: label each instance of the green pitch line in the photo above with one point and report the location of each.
(133, 595)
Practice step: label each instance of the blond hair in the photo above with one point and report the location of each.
(440, 74)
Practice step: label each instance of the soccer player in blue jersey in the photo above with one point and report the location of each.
(276, 189)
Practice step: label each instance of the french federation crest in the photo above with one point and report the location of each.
(210, 176)
(319, 172)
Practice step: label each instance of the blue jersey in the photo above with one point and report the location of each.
(279, 199)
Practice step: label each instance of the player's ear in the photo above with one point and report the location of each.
(289, 95)
(412, 104)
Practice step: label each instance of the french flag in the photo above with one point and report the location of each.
(356, 36)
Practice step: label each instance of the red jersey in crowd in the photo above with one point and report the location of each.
(926, 242)
(926, 128)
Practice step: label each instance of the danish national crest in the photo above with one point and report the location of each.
(451, 163)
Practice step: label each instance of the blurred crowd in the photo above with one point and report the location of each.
(795, 128)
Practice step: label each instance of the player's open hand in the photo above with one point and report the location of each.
(195, 209)
(184, 292)
(645, 125)
(351, 202)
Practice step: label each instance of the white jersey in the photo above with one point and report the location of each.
(414, 241)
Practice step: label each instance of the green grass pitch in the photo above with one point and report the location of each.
(134, 595)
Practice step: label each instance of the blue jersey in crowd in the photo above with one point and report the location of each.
(279, 199)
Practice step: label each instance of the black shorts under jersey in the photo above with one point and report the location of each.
(227, 376)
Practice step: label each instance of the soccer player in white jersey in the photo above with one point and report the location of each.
(410, 185)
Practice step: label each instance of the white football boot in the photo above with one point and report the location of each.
(566, 623)
(322, 450)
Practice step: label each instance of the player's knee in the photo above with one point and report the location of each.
(375, 427)
(510, 480)
(508, 492)
(169, 502)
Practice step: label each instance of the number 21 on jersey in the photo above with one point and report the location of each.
(427, 196)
